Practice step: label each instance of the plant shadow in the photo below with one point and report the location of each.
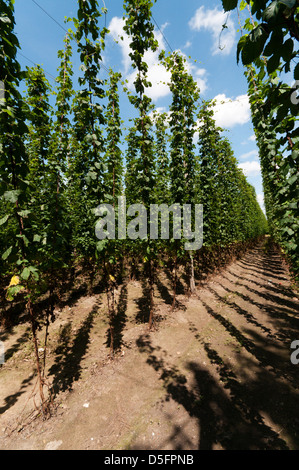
(232, 420)
(69, 353)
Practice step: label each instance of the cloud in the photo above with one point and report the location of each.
(250, 168)
(159, 110)
(212, 21)
(199, 74)
(231, 112)
(260, 200)
(158, 76)
(117, 33)
(252, 138)
(164, 26)
(253, 153)
(187, 45)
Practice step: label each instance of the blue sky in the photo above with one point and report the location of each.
(192, 26)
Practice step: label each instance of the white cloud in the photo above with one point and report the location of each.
(164, 26)
(159, 110)
(212, 20)
(231, 112)
(252, 138)
(199, 75)
(260, 200)
(251, 168)
(158, 76)
(117, 33)
(187, 45)
(246, 156)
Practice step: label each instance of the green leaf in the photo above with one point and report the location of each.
(25, 274)
(7, 253)
(287, 50)
(273, 63)
(295, 154)
(240, 46)
(4, 19)
(13, 291)
(34, 272)
(24, 213)
(4, 220)
(288, 3)
(101, 245)
(292, 180)
(290, 231)
(229, 5)
(252, 45)
(12, 196)
(271, 11)
(275, 43)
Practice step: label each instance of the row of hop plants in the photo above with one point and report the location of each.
(59, 162)
(268, 50)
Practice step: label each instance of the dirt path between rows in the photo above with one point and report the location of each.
(215, 373)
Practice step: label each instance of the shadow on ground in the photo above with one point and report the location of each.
(69, 354)
(230, 416)
(255, 404)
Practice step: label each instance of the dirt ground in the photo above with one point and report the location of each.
(214, 374)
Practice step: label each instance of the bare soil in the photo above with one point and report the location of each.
(213, 374)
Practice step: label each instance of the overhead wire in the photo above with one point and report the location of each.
(34, 63)
(50, 16)
(102, 65)
(172, 50)
(164, 37)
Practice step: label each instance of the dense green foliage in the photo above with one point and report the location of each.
(269, 51)
(273, 35)
(57, 164)
(231, 211)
